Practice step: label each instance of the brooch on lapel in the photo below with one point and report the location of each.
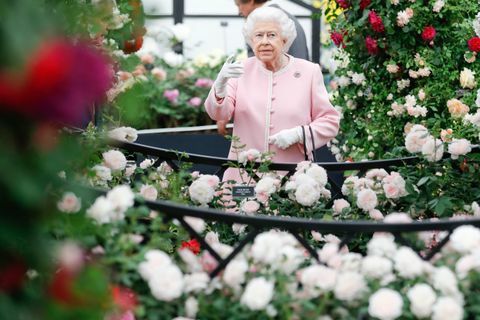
(297, 74)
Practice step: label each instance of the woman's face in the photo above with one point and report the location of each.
(267, 42)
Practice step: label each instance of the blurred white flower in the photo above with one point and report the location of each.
(465, 239)
(447, 308)
(349, 286)
(201, 192)
(197, 224)
(407, 263)
(367, 199)
(180, 31)
(382, 244)
(69, 203)
(376, 267)
(258, 294)
(444, 280)
(421, 297)
(339, 205)
(385, 304)
(195, 282)
(234, 274)
(459, 147)
(317, 279)
(166, 284)
(149, 192)
(191, 307)
(127, 134)
(114, 159)
(438, 5)
(433, 149)
(173, 59)
(154, 260)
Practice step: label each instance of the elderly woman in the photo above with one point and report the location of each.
(272, 95)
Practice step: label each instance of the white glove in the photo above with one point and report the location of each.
(229, 70)
(286, 138)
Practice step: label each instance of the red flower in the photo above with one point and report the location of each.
(337, 38)
(62, 288)
(124, 298)
(343, 4)
(428, 33)
(61, 82)
(12, 276)
(376, 22)
(372, 46)
(364, 4)
(191, 245)
(474, 44)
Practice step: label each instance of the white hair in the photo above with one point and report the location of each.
(270, 14)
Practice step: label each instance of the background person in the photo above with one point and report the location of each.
(298, 49)
(272, 95)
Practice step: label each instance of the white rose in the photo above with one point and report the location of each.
(447, 308)
(407, 263)
(101, 210)
(307, 194)
(149, 192)
(154, 260)
(318, 174)
(349, 286)
(376, 267)
(126, 134)
(69, 203)
(382, 245)
(318, 279)
(191, 307)
(121, 197)
(415, 140)
(438, 5)
(234, 274)
(201, 192)
(385, 304)
(467, 79)
(180, 31)
(102, 172)
(465, 239)
(444, 280)
(197, 224)
(173, 59)
(195, 282)
(433, 149)
(475, 209)
(421, 297)
(459, 147)
(339, 205)
(167, 283)
(147, 163)
(114, 159)
(367, 199)
(266, 185)
(258, 294)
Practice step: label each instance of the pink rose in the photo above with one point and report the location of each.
(69, 203)
(147, 58)
(250, 206)
(203, 83)
(195, 101)
(159, 74)
(149, 192)
(171, 95)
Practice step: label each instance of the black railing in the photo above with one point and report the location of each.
(296, 226)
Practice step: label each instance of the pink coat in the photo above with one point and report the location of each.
(263, 103)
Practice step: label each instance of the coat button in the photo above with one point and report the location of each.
(273, 98)
(272, 111)
(274, 84)
(271, 126)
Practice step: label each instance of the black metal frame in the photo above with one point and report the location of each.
(294, 226)
(179, 14)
